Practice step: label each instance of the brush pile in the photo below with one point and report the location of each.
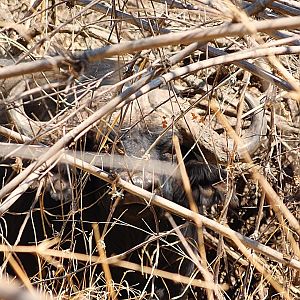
(78, 77)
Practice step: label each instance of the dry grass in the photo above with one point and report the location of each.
(212, 55)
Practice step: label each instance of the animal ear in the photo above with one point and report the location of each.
(205, 196)
(221, 189)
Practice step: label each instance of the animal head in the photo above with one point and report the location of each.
(143, 130)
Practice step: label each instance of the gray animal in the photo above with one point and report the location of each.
(72, 200)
